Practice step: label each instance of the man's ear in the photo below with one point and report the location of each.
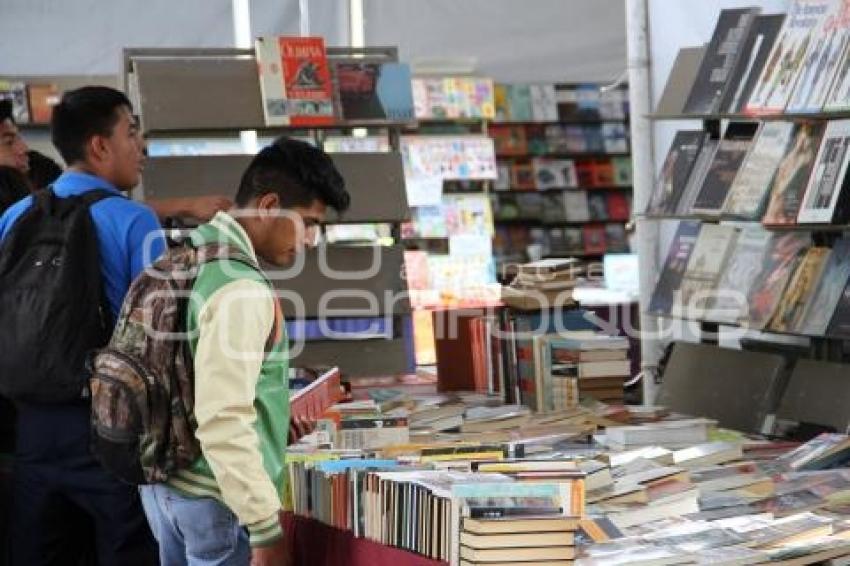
(97, 149)
(268, 205)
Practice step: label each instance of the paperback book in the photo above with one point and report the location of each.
(724, 167)
(749, 191)
(721, 57)
(821, 60)
(674, 267)
(788, 57)
(792, 176)
(675, 171)
(754, 54)
(826, 197)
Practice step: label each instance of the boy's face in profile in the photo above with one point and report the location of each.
(288, 232)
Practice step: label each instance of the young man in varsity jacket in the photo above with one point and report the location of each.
(224, 509)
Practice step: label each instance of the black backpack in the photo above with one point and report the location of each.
(52, 306)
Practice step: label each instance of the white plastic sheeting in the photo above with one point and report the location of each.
(531, 41)
(86, 37)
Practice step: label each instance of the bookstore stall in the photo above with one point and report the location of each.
(478, 338)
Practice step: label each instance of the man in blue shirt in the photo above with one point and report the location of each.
(95, 132)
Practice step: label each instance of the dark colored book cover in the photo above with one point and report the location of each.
(727, 160)
(839, 323)
(587, 101)
(675, 172)
(674, 267)
(826, 198)
(566, 97)
(753, 56)
(615, 237)
(721, 56)
(792, 176)
(553, 207)
(374, 91)
(598, 206)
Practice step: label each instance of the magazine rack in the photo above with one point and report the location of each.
(215, 93)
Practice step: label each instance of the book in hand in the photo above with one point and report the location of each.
(724, 167)
(674, 267)
(792, 176)
(824, 300)
(675, 170)
(749, 191)
(374, 91)
(821, 60)
(788, 57)
(721, 57)
(754, 54)
(827, 197)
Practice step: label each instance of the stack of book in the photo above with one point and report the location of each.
(518, 539)
(594, 367)
(544, 282)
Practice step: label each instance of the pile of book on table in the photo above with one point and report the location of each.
(544, 283)
(597, 484)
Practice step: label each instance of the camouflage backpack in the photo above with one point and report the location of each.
(142, 383)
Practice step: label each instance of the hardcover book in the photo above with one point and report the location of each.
(721, 57)
(724, 167)
(749, 191)
(788, 57)
(792, 176)
(826, 197)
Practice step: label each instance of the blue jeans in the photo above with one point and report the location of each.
(194, 531)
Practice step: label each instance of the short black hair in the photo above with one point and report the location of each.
(295, 171)
(82, 114)
(6, 110)
(13, 186)
(43, 170)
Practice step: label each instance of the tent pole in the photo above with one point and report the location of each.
(646, 237)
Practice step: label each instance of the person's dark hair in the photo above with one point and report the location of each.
(82, 114)
(6, 110)
(13, 187)
(297, 172)
(43, 170)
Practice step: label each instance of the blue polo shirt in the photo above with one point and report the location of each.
(129, 233)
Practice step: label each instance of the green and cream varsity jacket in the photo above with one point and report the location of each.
(241, 393)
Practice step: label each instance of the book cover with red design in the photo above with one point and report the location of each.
(309, 89)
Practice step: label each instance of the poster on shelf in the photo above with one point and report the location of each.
(424, 191)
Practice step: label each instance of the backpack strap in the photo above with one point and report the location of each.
(96, 195)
